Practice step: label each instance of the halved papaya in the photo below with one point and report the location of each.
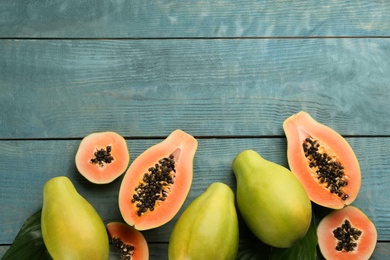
(322, 160)
(158, 181)
(129, 242)
(102, 157)
(346, 234)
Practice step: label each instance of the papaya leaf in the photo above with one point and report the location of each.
(250, 247)
(28, 243)
(305, 249)
(253, 250)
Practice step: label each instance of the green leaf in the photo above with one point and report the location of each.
(305, 249)
(28, 243)
(253, 250)
(250, 247)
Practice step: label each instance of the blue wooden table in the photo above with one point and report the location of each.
(227, 72)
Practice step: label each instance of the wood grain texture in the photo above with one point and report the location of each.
(227, 72)
(162, 19)
(27, 165)
(67, 89)
(159, 251)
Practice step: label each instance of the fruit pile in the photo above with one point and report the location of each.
(328, 169)
(275, 202)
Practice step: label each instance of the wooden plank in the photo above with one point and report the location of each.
(161, 19)
(160, 252)
(67, 89)
(27, 165)
(156, 251)
(382, 251)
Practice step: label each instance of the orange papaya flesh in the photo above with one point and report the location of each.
(346, 234)
(322, 160)
(102, 157)
(129, 242)
(157, 183)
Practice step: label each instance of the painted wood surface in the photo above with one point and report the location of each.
(159, 251)
(178, 19)
(228, 72)
(27, 165)
(69, 88)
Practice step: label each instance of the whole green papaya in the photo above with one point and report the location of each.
(71, 228)
(208, 227)
(271, 200)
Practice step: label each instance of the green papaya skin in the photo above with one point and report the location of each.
(208, 227)
(271, 200)
(71, 228)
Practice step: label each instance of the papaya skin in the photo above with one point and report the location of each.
(208, 227)
(271, 200)
(71, 228)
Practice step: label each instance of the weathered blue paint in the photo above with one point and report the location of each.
(178, 19)
(228, 72)
(67, 89)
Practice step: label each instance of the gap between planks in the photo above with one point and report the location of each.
(195, 38)
(195, 136)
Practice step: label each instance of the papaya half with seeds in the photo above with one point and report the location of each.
(128, 242)
(157, 183)
(208, 227)
(271, 200)
(322, 160)
(346, 234)
(71, 227)
(102, 157)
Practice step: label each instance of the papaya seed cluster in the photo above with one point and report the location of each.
(102, 156)
(329, 171)
(155, 185)
(126, 251)
(346, 236)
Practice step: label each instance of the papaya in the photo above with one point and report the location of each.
(322, 160)
(102, 157)
(208, 227)
(271, 200)
(129, 242)
(71, 227)
(157, 183)
(346, 234)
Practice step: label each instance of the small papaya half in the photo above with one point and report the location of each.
(102, 157)
(127, 241)
(157, 183)
(322, 160)
(346, 234)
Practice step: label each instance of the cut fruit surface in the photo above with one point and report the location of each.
(347, 234)
(102, 157)
(158, 181)
(322, 160)
(128, 242)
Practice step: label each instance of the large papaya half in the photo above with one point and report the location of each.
(346, 234)
(128, 242)
(71, 227)
(102, 157)
(322, 160)
(208, 227)
(158, 181)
